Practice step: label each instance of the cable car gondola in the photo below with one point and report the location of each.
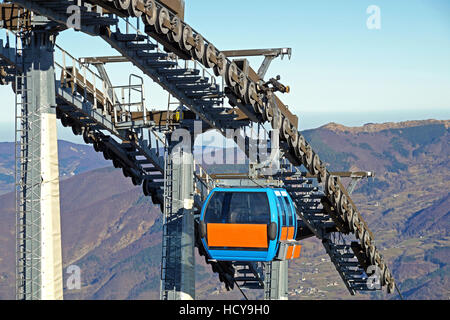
(249, 224)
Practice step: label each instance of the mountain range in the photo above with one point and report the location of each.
(113, 233)
(73, 159)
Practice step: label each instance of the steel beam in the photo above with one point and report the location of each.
(276, 280)
(258, 52)
(178, 260)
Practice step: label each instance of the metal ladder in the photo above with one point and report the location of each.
(27, 187)
(170, 247)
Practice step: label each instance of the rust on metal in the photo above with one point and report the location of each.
(14, 18)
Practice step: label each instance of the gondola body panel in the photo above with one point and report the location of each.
(247, 224)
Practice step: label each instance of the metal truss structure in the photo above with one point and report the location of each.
(209, 88)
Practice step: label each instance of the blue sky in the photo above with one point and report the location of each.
(340, 70)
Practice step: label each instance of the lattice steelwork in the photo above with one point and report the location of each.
(28, 187)
(177, 265)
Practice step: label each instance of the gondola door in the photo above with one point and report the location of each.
(291, 217)
(288, 247)
(286, 226)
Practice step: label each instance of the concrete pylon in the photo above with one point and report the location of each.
(276, 286)
(39, 253)
(178, 260)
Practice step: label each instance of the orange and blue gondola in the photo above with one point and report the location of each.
(249, 224)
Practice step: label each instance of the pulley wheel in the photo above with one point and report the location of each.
(187, 33)
(232, 70)
(259, 107)
(154, 196)
(315, 166)
(391, 282)
(126, 172)
(64, 120)
(101, 146)
(105, 155)
(109, 154)
(76, 129)
(372, 257)
(136, 180)
(116, 163)
(322, 174)
(336, 194)
(391, 286)
(243, 83)
(308, 158)
(133, 10)
(122, 4)
(342, 205)
(328, 184)
(176, 34)
(262, 108)
(163, 15)
(70, 121)
(301, 144)
(209, 52)
(366, 242)
(96, 146)
(251, 90)
(221, 67)
(385, 276)
(87, 139)
(144, 187)
(349, 215)
(199, 49)
(361, 230)
(286, 128)
(294, 140)
(150, 18)
(377, 257)
(79, 129)
(382, 268)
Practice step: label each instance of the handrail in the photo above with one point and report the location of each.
(175, 58)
